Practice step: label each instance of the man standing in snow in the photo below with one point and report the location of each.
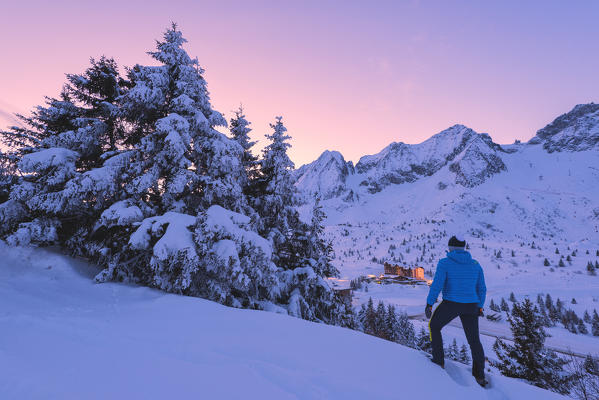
(462, 282)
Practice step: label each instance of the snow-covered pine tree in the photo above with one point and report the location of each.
(540, 301)
(56, 116)
(595, 324)
(493, 306)
(569, 319)
(7, 178)
(223, 260)
(275, 194)
(320, 249)
(559, 306)
(391, 324)
(177, 165)
(406, 335)
(239, 128)
(423, 341)
(584, 378)
(96, 91)
(181, 162)
(548, 302)
(55, 148)
(361, 316)
(591, 365)
(380, 328)
(369, 318)
(581, 327)
(302, 271)
(452, 351)
(504, 306)
(464, 355)
(561, 263)
(528, 358)
(307, 295)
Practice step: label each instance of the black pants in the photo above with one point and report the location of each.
(468, 313)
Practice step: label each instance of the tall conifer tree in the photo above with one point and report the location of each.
(181, 161)
(239, 128)
(528, 358)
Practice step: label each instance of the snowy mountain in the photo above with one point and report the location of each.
(577, 130)
(472, 157)
(64, 337)
(326, 176)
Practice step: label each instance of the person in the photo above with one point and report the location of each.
(461, 280)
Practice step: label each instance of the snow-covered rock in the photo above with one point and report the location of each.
(576, 130)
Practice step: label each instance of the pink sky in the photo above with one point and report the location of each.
(345, 75)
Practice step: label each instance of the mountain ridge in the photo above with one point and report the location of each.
(470, 156)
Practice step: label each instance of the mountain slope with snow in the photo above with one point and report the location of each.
(64, 337)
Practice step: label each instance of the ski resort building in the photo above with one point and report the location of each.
(416, 273)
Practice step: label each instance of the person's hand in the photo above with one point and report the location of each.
(480, 312)
(428, 311)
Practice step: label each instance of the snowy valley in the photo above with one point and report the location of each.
(529, 211)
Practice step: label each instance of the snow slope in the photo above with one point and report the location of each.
(64, 337)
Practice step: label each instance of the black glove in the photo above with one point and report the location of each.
(480, 312)
(428, 311)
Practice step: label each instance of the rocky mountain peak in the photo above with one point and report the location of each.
(576, 130)
(471, 156)
(326, 176)
(400, 162)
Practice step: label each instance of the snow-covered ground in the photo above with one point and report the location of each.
(64, 337)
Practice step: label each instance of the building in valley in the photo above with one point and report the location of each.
(415, 273)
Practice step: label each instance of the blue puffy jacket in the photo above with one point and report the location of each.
(461, 279)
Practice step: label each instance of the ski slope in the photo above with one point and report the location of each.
(64, 337)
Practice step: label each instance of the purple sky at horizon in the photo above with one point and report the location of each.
(345, 75)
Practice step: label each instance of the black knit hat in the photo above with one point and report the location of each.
(454, 242)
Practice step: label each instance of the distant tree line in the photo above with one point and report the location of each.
(550, 314)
